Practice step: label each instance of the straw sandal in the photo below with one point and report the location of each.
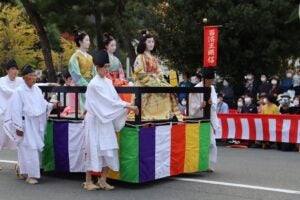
(104, 185)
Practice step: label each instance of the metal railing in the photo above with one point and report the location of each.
(62, 91)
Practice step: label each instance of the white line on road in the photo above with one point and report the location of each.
(214, 183)
(9, 161)
(239, 185)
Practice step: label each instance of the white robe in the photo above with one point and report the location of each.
(106, 115)
(195, 100)
(28, 112)
(7, 88)
(215, 125)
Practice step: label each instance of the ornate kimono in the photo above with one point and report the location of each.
(116, 73)
(82, 70)
(154, 106)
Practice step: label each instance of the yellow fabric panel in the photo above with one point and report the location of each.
(113, 174)
(191, 163)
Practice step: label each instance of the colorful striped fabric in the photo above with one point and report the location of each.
(146, 154)
(273, 128)
(64, 147)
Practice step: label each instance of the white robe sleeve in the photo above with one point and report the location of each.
(15, 111)
(195, 100)
(103, 103)
(13, 117)
(6, 90)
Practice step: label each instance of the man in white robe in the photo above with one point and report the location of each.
(196, 101)
(25, 123)
(7, 85)
(105, 115)
(209, 79)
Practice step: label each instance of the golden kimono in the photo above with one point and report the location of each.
(158, 106)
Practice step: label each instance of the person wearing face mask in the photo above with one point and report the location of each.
(264, 86)
(296, 82)
(287, 83)
(275, 89)
(185, 83)
(249, 107)
(222, 106)
(260, 102)
(285, 109)
(228, 93)
(285, 104)
(295, 106)
(250, 85)
(196, 101)
(240, 104)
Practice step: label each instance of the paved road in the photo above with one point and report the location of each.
(255, 167)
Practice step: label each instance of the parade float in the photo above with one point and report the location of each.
(148, 150)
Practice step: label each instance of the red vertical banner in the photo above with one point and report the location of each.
(210, 46)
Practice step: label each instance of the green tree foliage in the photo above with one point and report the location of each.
(18, 38)
(256, 35)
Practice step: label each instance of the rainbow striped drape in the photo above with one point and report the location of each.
(145, 154)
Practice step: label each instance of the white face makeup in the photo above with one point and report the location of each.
(150, 43)
(85, 43)
(111, 47)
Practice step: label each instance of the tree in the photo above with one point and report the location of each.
(37, 21)
(256, 36)
(18, 38)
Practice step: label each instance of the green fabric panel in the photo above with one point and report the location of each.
(48, 159)
(204, 139)
(129, 155)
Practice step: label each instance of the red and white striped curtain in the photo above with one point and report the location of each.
(273, 128)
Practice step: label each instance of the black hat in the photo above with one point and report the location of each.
(208, 73)
(101, 58)
(27, 69)
(11, 63)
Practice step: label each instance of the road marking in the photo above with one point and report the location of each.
(239, 185)
(9, 161)
(214, 183)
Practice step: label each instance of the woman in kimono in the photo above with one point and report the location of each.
(116, 72)
(148, 74)
(106, 114)
(81, 65)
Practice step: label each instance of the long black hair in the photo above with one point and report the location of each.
(142, 44)
(79, 36)
(107, 38)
